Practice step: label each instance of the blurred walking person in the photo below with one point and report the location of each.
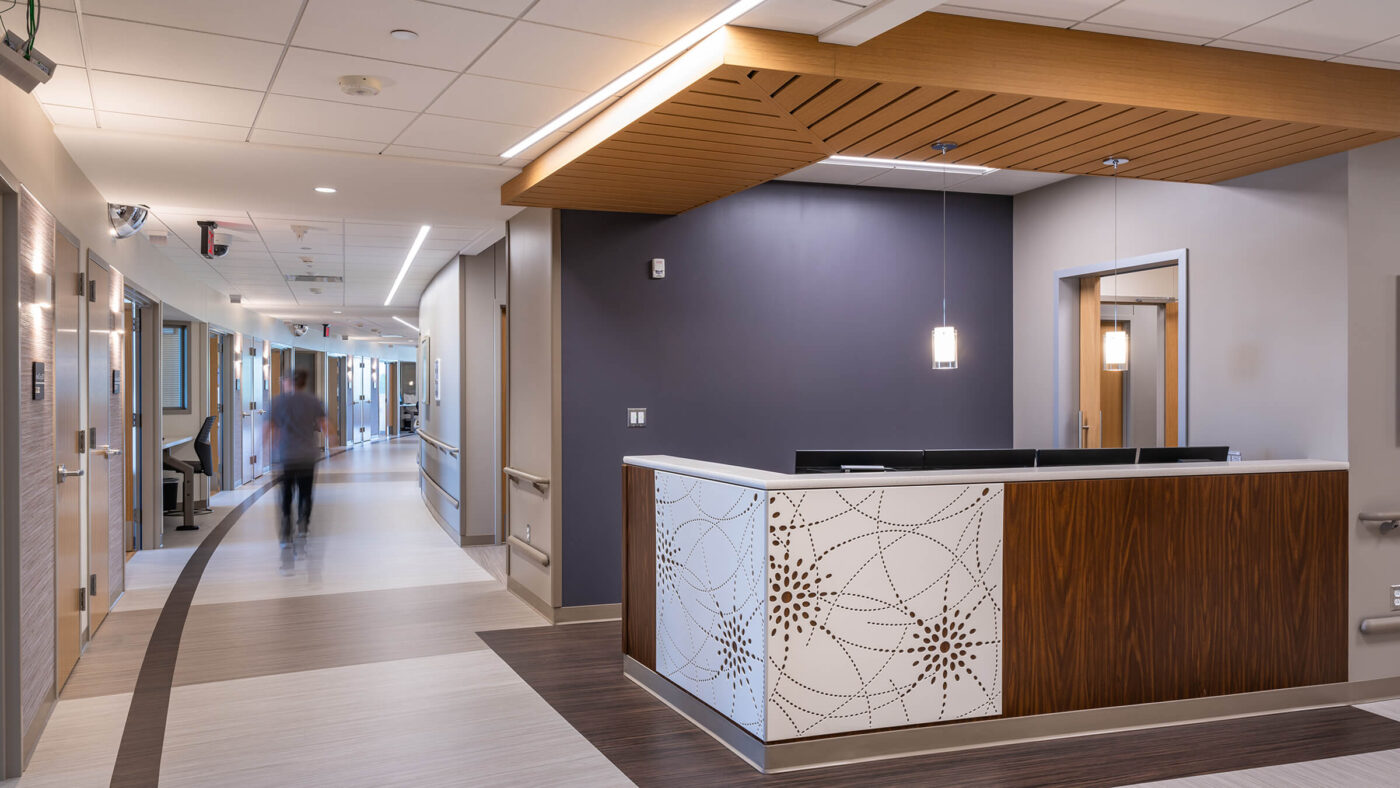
(293, 419)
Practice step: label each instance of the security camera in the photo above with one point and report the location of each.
(300, 329)
(211, 246)
(218, 250)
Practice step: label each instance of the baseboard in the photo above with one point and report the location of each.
(578, 614)
(471, 540)
(540, 606)
(36, 728)
(834, 750)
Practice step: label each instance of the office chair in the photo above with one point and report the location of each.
(205, 452)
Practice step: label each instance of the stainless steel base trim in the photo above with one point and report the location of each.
(734, 738)
(538, 605)
(928, 739)
(579, 614)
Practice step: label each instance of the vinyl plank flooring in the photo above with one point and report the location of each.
(491, 557)
(1369, 770)
(578, 670)
(113, 658)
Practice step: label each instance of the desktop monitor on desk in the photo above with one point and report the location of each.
(859, 461)
(1052, 458)
(1184, 454)
(974, 459)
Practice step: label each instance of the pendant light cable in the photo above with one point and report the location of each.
(945, 242)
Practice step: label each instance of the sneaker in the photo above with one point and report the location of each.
(302, 527)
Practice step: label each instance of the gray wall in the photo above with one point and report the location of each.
(440, 319)
(791, 316)
(1372, 396)
(1267, 301)
(482, 296)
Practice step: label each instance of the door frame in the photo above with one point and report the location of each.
(1065, 337)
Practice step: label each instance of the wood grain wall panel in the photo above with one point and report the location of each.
(37, 467)
(1146, 590)
(639, 564)
(116, 476)
(745, 105)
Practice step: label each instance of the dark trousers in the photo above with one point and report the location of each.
(296, 480)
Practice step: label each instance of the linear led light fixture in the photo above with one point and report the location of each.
(407, 261)
(900, 164)
(410, 325)
(637, 72)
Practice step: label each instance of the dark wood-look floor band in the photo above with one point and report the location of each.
(143, 738)
(577, 669)
(366, 476)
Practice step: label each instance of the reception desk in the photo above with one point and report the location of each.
(804, 619)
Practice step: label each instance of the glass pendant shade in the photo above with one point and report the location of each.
(1115, 351)
(945, 347)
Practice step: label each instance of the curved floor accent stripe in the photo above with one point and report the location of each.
(143, 738)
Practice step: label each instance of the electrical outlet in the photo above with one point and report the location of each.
(1395, 597)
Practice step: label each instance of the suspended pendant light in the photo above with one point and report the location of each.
(1115, 342)
(945, 337)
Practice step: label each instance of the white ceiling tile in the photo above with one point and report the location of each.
(1336, 26)
(331, 119)
(68, 86)
(167, 98)
(1206, 18)
(833, 173)
(1057, 9)
(1008, 182)
(265, 20)
(118, 121)
(314, 74)
(1361, 61)
(1388, 50)
(1268, 50)
(462, 136)
(294, 140)
(152, 51)
(71, 116)
(797, 16)
(58, 37)
(1094, 27)
(448, 38)
(638, 20)
(397, 230)
(503, 7)
(441, 155)
(487, 98)
(562, 58)
(916, 179)
(1006, 16)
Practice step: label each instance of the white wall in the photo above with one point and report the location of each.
(1372, 396)
(1267, 298)
(440, 320)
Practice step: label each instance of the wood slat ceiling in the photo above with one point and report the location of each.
(738, 126)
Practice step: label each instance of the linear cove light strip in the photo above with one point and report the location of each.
(407, 261)
(646, 66)
(900, 164)
(410, 325)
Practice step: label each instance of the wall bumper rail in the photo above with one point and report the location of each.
(456, 504)
(1380, 625)
(1388, 521)
(534, 553)
(439, 445)
(540, 483)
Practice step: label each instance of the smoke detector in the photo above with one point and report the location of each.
(354, 85)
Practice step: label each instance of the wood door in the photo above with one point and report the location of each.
(130, 461)
(103, 440)
(216, 399)
(1090, 364)
(1111, 397)
(335, 388)
(70, 298)
(1172, 364)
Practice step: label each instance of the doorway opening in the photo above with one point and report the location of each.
(1144, 404)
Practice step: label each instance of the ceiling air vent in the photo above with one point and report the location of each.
(314, 278)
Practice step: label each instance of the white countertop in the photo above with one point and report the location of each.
(768, 480)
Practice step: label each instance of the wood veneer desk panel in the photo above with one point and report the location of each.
(1132, 589)
(1122, 591)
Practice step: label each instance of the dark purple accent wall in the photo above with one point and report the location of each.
(792, 316)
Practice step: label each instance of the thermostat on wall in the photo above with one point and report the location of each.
(658, 268)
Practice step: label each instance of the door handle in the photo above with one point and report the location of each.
(107, 451)
(64, 473)
(1083, 428)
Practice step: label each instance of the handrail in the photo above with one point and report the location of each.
(456, 504)
(1389, 521)
(439, 445)
(539, 482)
(540, 557)
(1380, 625)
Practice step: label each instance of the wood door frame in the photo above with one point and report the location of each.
(1065, 339)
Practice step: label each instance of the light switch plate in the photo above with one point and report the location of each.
(1395, 597)
(636, 417)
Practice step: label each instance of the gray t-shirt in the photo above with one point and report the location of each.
(296, 415)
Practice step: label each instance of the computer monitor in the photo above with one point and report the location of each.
(860, 461)
(971, 459)
(1050, 458)
(1184, 454)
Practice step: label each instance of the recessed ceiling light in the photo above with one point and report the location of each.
(403, 35)
(335, 311)
(326, 189)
